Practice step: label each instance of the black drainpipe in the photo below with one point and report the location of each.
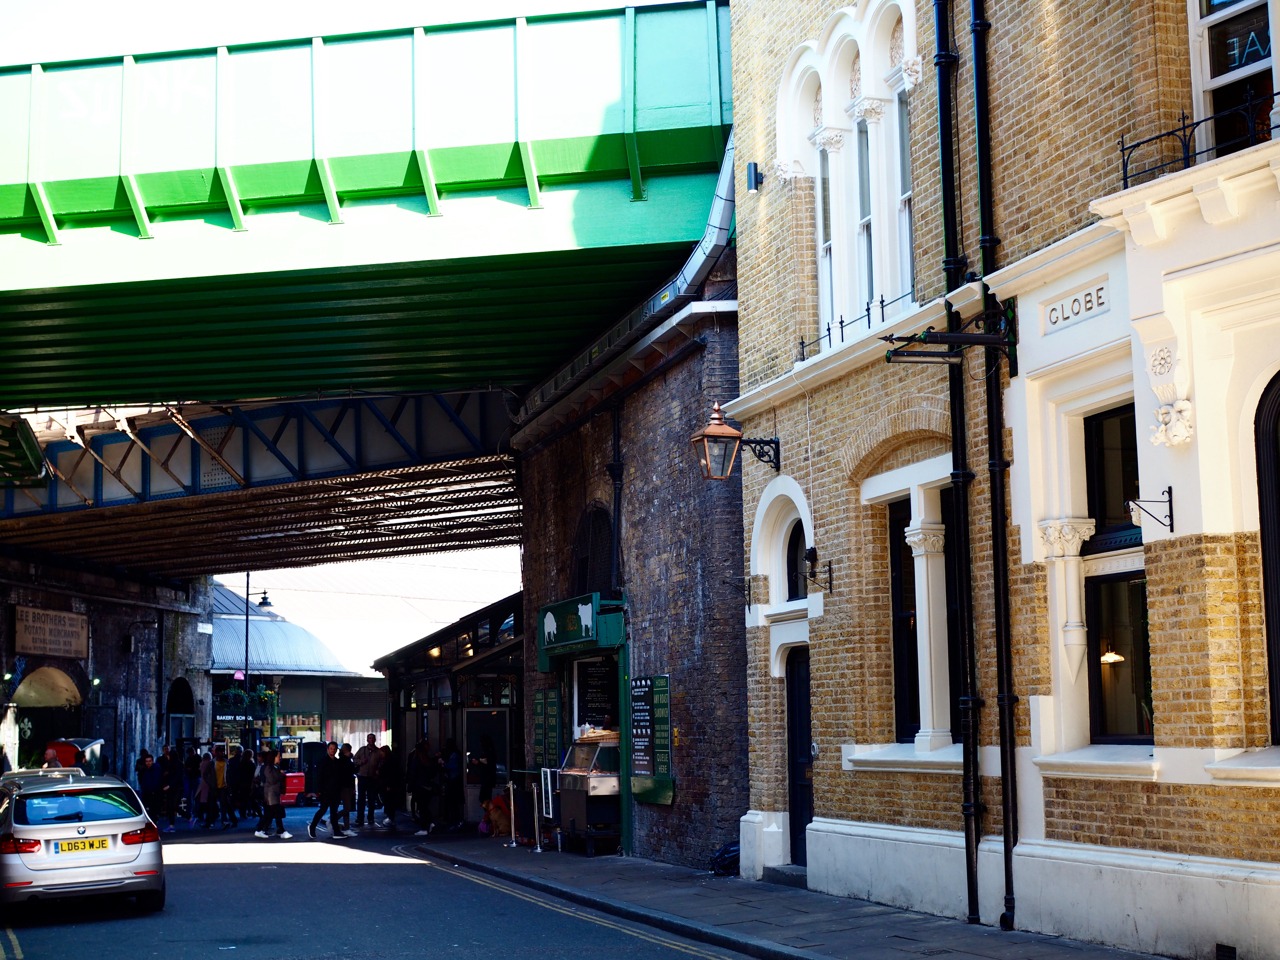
(614, 468)
(996, 462)
(953, 264)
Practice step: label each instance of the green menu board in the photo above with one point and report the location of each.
(651, 779)
(546, 728)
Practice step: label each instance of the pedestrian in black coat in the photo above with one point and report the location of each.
(332, 776)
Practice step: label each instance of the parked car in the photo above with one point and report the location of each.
(64, 833)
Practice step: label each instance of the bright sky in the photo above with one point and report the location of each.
(366, 608)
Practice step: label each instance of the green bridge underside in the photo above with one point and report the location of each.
(398, 328)
(437, 209)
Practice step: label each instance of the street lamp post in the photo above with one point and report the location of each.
(264, 602)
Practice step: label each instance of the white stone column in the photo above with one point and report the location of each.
(926, 541)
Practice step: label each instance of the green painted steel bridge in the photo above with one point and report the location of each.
(304, 283)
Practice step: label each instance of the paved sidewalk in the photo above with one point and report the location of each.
(763, 920)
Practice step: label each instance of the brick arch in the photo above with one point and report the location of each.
(909, 418)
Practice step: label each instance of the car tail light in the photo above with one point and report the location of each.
(148, 834)
(11, 844)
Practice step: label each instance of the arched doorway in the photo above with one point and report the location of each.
(46, 705)
(180, 713)
(799, 753)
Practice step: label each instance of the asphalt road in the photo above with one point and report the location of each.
(233, 897)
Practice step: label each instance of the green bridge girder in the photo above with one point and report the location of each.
(438, 208)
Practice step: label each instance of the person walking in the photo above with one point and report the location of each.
(454, 788)
(173, 774)
(234, 773)
(207, 792)
(270, 779)
(191, 766)
(367, 761)
(151, 786)
(330, 787)
(424, 770)
(486, 767)
(391, 786)
(348, 784)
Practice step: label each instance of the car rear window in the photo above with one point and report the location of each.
(78, 806)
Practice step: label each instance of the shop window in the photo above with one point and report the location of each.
(1235, 70)
(906, 656)
(797, 587)
(1119, 659)
(1111, 479)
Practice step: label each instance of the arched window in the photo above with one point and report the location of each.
(593, 553)
(797, 588)
(1267, 433)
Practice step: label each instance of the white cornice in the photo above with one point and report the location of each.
(1078, 250)
(1184, 182)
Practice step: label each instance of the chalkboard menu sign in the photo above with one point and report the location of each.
(651, 726)
(597, 694)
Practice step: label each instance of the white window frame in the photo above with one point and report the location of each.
(1202, 83)
(923, 482)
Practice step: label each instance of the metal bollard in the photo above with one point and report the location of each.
(511, 805)
(537, 820)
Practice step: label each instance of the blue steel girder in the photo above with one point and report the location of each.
(170, 453)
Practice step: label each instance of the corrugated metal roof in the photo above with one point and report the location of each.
(275, 645)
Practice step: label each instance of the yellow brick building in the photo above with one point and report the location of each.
(1033, 175)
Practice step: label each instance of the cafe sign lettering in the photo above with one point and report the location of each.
(51, 633)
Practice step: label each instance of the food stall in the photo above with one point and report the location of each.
(590, 788)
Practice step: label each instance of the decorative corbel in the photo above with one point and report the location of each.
(1063, 539)
(1175, 416)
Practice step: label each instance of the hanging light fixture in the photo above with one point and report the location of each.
(1111, 656)
(716, 447)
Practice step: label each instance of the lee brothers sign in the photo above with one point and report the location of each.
(51, 633)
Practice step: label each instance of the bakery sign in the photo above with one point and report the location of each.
(51, 633)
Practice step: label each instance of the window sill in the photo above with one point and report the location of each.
(901, 758)
(787, 610)
(1254, 766)
(1102, 762)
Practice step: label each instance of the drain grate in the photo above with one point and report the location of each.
(1225, 952)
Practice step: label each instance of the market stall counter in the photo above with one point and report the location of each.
(590, 801)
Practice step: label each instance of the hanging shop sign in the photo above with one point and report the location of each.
(576, 625)
(651, 778)
(51, 633)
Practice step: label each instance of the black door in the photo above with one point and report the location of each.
(799, 757)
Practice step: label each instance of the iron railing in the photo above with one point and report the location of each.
(1231, 130)
(856, 325)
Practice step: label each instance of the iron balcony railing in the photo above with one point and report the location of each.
(864, 322)
(1231, 130)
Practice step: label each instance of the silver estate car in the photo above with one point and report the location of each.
(65, 834)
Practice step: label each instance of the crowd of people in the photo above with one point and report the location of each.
(218, 789)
